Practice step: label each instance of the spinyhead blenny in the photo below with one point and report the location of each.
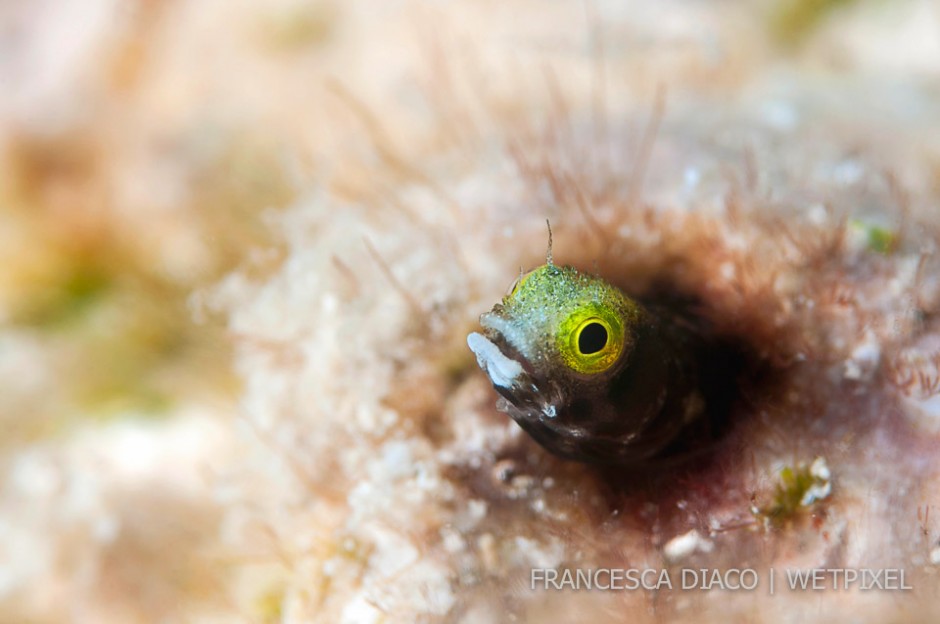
(588, 372)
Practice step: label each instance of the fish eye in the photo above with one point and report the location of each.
(591, 341)
(592, 338)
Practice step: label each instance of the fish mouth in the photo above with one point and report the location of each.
(505, 372)
(501, 352)
(524, 393)
(540, 411)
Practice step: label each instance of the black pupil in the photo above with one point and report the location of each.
(592, 339)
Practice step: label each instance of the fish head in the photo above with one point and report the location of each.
(559, 338)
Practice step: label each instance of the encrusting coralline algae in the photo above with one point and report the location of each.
(418, 499)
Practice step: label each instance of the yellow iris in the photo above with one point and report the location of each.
(591, 340)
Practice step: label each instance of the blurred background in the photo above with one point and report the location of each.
(146, 147)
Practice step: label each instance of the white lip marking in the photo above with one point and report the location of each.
(502, 371)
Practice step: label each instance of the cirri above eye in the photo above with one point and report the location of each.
(588, 372)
